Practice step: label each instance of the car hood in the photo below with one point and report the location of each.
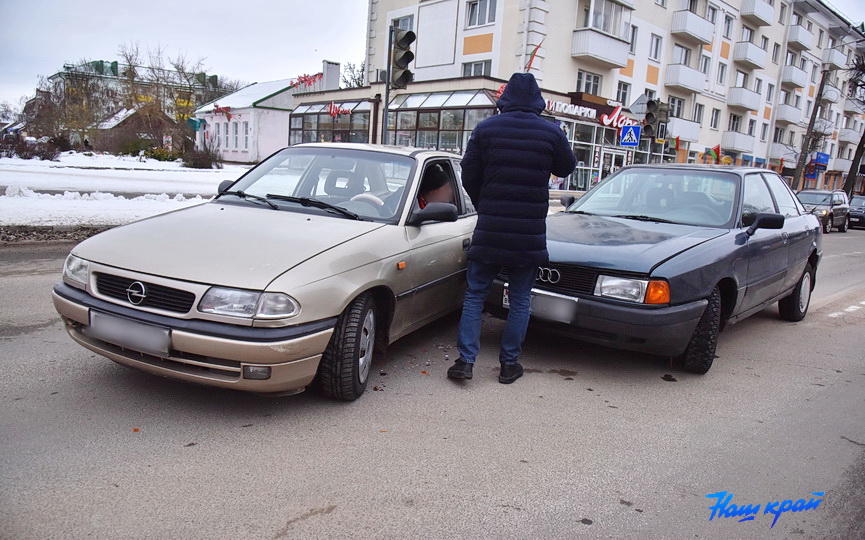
(620, 244)
(221, 244)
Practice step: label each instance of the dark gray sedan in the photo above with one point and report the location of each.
(661, 258)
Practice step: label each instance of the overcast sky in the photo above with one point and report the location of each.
(250, 40)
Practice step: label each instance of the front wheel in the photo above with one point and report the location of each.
(700, 353)
(794, 307)
(846, 225)
(827, 225)
(344, 368)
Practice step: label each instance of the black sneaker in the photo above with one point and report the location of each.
(510, 373)
(460, 370)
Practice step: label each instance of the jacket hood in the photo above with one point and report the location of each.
(522, 94)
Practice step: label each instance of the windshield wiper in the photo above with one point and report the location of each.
(244, 195)
(583, 212)
(315, 203)
(644, 218)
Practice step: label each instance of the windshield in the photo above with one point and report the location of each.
(369, 184)
(857, 201)
(691, 197)
(806, 197)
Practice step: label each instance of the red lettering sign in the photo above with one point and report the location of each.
(617, 120)
(335, 110)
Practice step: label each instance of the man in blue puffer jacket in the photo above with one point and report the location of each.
(506, 171)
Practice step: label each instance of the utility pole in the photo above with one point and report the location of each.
(806, 140)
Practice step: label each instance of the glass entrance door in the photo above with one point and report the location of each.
(611, 161)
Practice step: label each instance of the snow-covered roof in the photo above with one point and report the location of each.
(115, 119)
(250, 95)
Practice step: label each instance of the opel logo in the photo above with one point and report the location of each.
(136, 293)
(549, 275)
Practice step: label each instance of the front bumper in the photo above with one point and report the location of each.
(663, 331)
(205, 352)
(857, 220)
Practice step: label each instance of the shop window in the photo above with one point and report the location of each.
(452, 119)
(480, 12)
(428, 120)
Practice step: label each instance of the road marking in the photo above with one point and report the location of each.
(836, 314)
(848, 309)
(851, 309)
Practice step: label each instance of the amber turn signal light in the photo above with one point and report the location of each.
(658, 292)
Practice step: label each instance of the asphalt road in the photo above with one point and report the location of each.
(591, 442)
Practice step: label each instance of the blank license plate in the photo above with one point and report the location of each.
(854, 219)
(128, 333)
(549, 307)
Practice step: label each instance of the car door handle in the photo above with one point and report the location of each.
(785, 236)
(466, 243)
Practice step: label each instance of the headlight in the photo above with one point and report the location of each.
(248, 304)
(819, 212)
(76, 269)
(633, 290)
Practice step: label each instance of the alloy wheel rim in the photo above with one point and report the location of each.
(805, 292)
(367, 344)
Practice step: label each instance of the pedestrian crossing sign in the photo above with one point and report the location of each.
(630, 136)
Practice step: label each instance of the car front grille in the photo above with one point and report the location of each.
(156, 296)
(574, 279)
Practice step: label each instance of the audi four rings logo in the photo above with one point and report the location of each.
(136, 293)
(549, 275)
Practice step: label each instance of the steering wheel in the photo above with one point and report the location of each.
(368, 198)
(706, 211)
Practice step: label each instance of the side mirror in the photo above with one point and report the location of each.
(766, 221)
(567, 200)
(224, 185)
(434, 211)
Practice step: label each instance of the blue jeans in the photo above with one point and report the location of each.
(480, 277)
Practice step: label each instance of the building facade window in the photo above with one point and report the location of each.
(770, 92)
(225, 134)
(246, 135)
(589, 83)
(677, 106)
(313, 123)
(735, 123)
(722, 73)
(649, 93)
(705, 64)
(764, 131)
(623, 92)
(478, 69)
(715, 118)
(728, 26)
(741, 79)
(747, 34)
(681, 55)
(235, 127)
(711, 13)
(776, 52)
(404, 23)
(655, 44)
(758, 85)
(778, 135)
(632, 45)
(782, 14)
(481, 12)
(698, 113)
(764, 43)
(216, 134)
(752, 127)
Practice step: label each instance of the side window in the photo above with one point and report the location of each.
(437, 184)
(467, 207)
(756, 199)
(783, 196)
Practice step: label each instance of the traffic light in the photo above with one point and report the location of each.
(657, 114)
(401, 57)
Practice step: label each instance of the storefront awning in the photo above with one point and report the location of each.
(443, 100)
(352, 106)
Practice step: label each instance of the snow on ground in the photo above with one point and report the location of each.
(96, 189)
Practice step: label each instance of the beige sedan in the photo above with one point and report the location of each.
(302, 270)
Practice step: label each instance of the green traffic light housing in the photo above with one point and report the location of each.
(401, 57)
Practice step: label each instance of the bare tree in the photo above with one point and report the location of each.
(354, 76)
(856, 92)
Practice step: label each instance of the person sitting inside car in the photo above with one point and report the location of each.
(435, 186)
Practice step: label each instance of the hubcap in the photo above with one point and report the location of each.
(367, 344)
(805, 292)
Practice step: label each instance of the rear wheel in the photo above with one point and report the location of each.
(794, 307)
(700, 353)
(827, 225)
(846, 225)
(345, 366)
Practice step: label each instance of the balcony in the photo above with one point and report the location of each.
(749, 55)
(841, 164)
(737, 142)
(684, 129)
(852, 106)
(743, 99)
(823, 126)
(849, 136)
(800, 38)
(787, 114)
(684, 78)
(757, 12)
(689, 26)
(831, 94)
(599, 48)
(793, 76)
(782, 151)
(835, 58)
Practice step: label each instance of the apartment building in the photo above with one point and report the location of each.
(742, 74)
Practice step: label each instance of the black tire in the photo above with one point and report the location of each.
(827, 226)
(700, 352)
(846, 225)
(347, 362)
(795, 307)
